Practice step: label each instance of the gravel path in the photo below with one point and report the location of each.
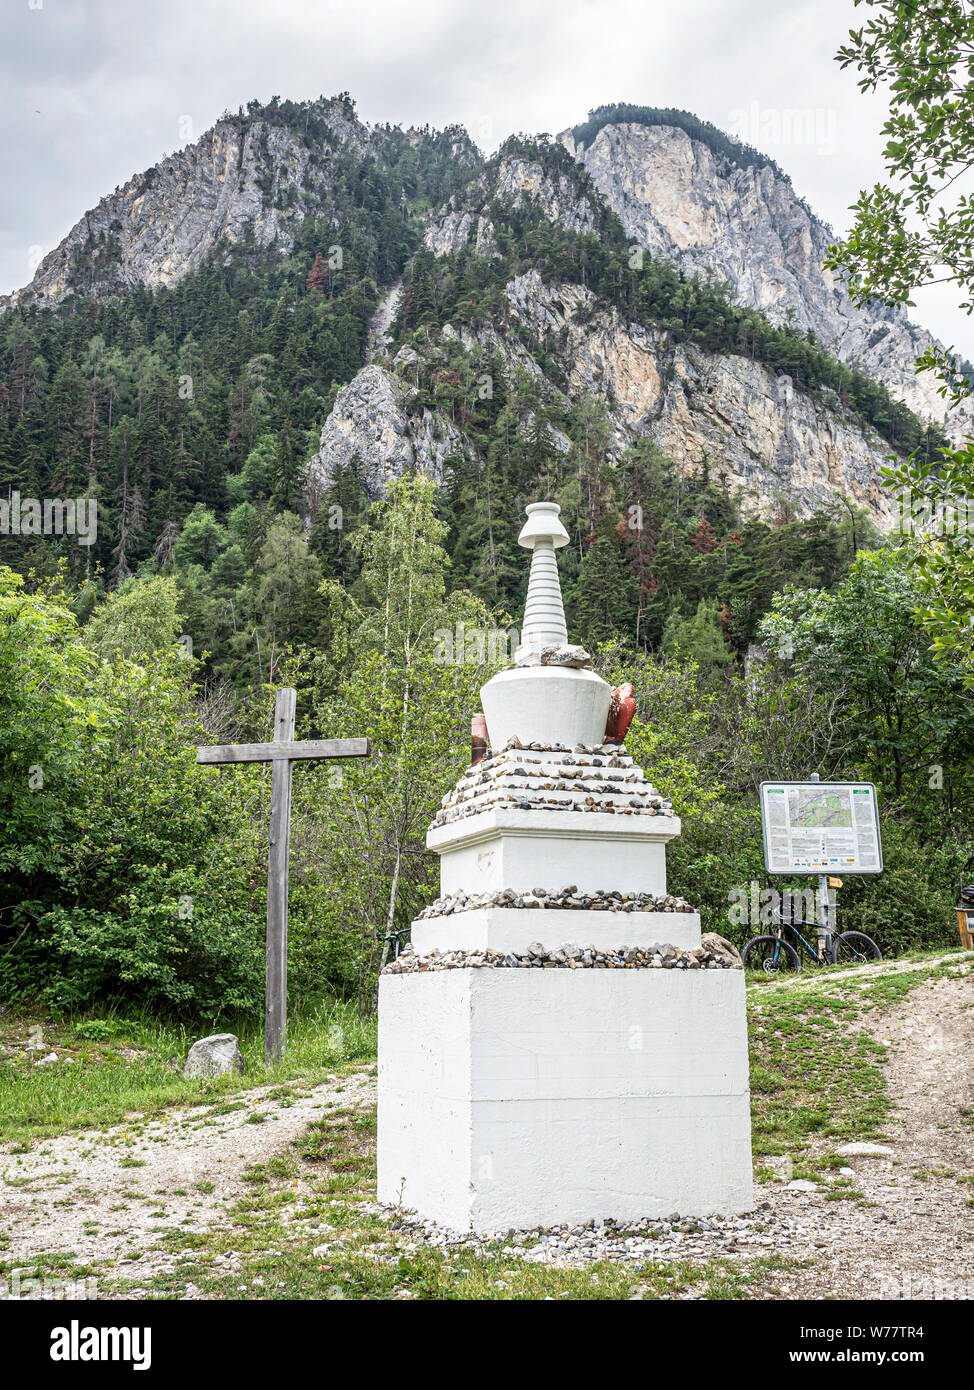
(917, 1239)
(108, 1196)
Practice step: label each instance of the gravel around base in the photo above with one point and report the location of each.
(904, 1225)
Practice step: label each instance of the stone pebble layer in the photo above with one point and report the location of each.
(630, 1243)
(567, 957)
(553, 777)
(563, 900)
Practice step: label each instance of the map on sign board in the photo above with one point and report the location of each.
(821, 827)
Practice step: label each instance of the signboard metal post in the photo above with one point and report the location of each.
(823, 901)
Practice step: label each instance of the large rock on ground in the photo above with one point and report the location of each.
(216, 1055)
(721, 946)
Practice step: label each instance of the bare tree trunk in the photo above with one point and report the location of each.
(391, 914)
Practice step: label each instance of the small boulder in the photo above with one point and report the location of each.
(216, 1055)
(720, 946)
(568, 655)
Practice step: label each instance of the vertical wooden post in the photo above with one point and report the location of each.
(275, 1009)
(280, 753)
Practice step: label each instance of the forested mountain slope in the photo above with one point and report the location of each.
(238, 350)
(687, 193)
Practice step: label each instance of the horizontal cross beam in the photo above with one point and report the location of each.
(270, 752)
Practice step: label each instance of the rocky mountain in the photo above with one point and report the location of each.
(744, 224)
(521, 266)
(770, 443)
(256, 175)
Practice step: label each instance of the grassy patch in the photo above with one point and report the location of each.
(106, 1073)
(304, 1231)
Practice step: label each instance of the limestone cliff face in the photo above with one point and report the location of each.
(747, 226)
(773, 444)
(521, 180)
(516, 181)
(373, 420)
(156, 228)
(454, 229)
(771, 441)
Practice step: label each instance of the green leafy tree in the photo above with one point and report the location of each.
(126, 871)
(136, 621)
(395, 672)
(201, 539)
(902, 712)
(604, 599)
(913, 230)
(699, 639)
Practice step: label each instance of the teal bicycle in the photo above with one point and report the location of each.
(774, 955)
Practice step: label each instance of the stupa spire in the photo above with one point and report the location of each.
(544, 612)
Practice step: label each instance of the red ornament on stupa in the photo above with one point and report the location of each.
(621, 711)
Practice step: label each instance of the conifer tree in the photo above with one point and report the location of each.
(604, 598)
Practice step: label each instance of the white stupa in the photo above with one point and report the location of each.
(558, 1045)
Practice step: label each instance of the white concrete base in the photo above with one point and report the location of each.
(514, 929)
(510, 1099)
(521, 850)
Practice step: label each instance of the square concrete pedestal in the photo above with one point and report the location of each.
(514, 1098)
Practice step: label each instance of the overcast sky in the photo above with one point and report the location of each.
(96, 90)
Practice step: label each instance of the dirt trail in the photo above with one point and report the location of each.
(108, 1196)
(916, 1239)
(816, 978)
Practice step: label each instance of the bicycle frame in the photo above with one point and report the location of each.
(827, 940)
(395, 938)
(781, 926)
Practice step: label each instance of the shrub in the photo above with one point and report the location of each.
(910, 905)
(127, 870)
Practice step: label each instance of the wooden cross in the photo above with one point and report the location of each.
(280, 754)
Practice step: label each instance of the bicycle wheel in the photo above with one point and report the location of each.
(854, 948)
(772, 956)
